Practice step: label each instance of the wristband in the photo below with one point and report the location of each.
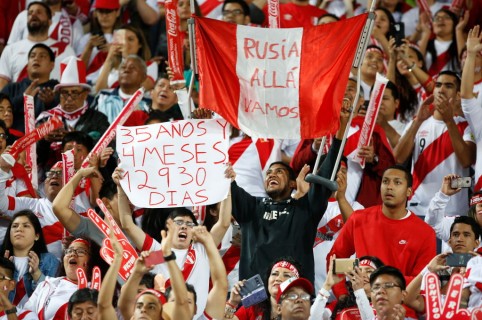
(170, 257)
(11, 311)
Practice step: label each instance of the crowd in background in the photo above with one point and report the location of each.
(413, 209)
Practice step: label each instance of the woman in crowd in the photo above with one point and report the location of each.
(26, 246)
(441, 52)
(358, 279)
(50, 298)
(280, 270)
(6, 114)
(94, 46)
(130, 41)
(382, 28)
(407, 69)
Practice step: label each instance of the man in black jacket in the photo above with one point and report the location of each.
(285, 223)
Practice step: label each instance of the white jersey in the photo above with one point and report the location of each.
(96, 59)
(21, 315)
(251, 160)
(52, 228)
(473, 113)
(199, 274)
(473, 281)
(51, 297)
(433, 158)
(63, 28)
(14, 59)
(440, 47)
(328, 229)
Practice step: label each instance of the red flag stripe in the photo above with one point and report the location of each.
(440, 149)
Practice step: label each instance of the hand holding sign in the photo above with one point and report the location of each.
(450, 309)
(174, 164)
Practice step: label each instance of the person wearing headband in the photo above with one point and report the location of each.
(356, 286)
(50, 298)
(277, 272)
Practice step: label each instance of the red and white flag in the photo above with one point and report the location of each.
(276, 83)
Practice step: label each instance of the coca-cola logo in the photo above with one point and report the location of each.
(171, 17)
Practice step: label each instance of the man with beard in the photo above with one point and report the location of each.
(63, 28)
(41, 61)
(13, 62)
(284, 223)
(389, 231)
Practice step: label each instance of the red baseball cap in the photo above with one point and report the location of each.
(107, 4)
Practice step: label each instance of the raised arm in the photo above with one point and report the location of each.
(221, 226)
(464, 150)
(414, 300)
(180, 310)
(61, 205)
(104, 302)
(436, 210)
(474, 46)
(345, 207)
(217, 295)
(127, 298)
(405, 145)
(136, 234)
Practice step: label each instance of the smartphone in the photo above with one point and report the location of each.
(154, 258)
(253, 291)
(398, 32)
(458, 259)
(340, 266)
(464, 182)
(103, 39)
(119, 37)
(236, 229)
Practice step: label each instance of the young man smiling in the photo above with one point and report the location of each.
(282, 224)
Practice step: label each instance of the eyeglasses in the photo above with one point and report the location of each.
(5, 278)
(235, 12)
(296, 296)
(186, 223)
(441, 18)
(3, 136)
(386, 286)
(51, 174)
(74, 94)
(77, 252)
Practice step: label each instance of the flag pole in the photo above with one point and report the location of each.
(360, 52)
(192, 51)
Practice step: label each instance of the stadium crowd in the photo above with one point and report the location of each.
(299, 250)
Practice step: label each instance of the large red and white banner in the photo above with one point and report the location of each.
(174, 41)
(276, 83)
